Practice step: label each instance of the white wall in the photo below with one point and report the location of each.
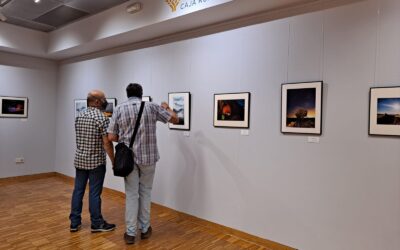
(32, 138)
(21, 40)
(342, 193)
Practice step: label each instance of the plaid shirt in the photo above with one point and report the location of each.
(90, 126)
(123, 123)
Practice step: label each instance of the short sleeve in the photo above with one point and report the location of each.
(162, 114)
(113, 126)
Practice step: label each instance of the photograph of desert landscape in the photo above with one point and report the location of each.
(388, 111)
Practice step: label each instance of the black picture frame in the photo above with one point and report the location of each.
(384, 111)
(299, 100)
(13, 107)
(184, 113)
(232, 110)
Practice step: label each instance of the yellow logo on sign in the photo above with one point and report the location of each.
(173, 4)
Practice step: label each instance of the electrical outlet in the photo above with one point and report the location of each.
(19, 160)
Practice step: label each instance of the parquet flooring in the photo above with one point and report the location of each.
(34, 215)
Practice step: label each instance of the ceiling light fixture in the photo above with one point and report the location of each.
(36, 1)
(133, 8)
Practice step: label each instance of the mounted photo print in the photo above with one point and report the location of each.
(180, 104)
(301, 108)
(80, 106)
(384, 111)
(232, 110)
(13, 107)
(147, 99)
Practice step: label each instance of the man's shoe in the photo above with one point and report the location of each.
(105, 227)
(75, 228)
(147, 234)
(129, 239)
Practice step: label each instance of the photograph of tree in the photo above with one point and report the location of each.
(15, 107)
(232, 110)
(301, 108)
(384, 111)
(180, 104)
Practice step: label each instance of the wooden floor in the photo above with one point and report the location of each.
(34, 215)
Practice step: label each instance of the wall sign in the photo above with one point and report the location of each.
(188, 6)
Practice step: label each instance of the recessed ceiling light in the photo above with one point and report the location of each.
(36, 1)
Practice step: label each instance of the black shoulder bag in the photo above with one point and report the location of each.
(124, 160)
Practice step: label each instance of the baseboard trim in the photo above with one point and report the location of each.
(226, 230)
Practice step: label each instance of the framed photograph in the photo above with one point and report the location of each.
(384, 111)
(13, 107)
(232, 110)
(147, 99)
(81, 105)
(180, 104)
(301, 108)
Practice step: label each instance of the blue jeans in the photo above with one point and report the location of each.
(138, 185)
(96, 180)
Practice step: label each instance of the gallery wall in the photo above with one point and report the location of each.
(32, 138)
(341, 193)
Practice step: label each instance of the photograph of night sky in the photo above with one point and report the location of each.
(231, 110)
(13, 107)
(300, 111)
(388, 111)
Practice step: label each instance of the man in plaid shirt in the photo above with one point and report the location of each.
(90, 162)
(139, 182)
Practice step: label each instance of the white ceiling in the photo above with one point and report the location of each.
(48, 15)
(115, 30)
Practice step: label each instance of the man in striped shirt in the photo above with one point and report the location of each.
(139, 182)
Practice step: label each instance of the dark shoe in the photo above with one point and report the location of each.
(129, 239)
(75, 228)
(147, 234)
(105, 227)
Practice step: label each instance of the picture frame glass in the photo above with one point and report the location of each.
(301, 108)
(232, 110)
(179, 102)
(384, 117)
(13, 107)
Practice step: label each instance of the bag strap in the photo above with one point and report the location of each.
(136, 125)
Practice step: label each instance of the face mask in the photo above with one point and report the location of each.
(104, 105)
